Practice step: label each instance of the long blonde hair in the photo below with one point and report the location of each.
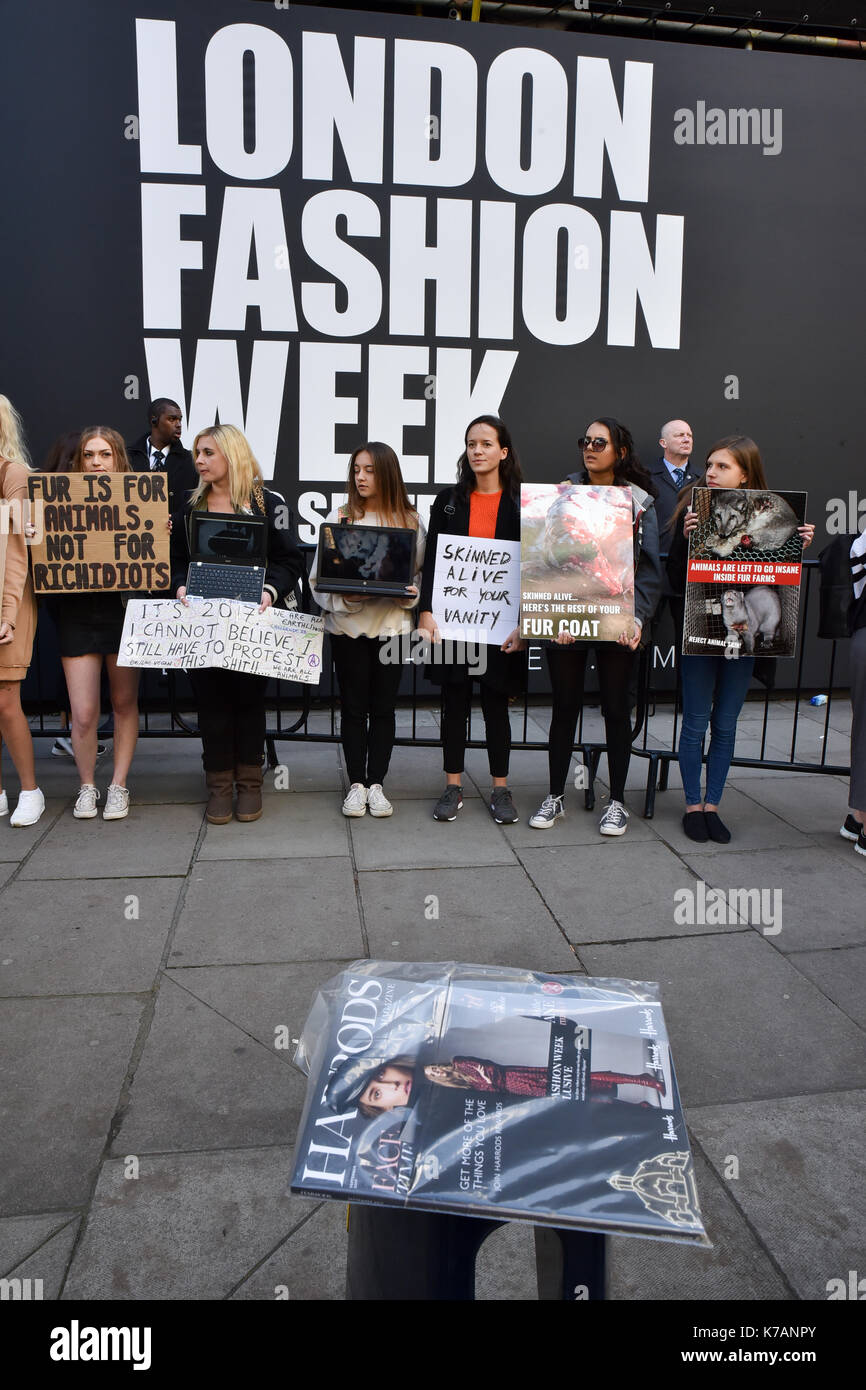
(245, 475)
(12, 444)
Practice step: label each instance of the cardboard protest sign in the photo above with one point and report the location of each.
(98, 532)
(743, 577)
(280, 643)
(576, 562)
(476, 589)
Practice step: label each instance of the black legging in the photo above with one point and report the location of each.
(456, 706)
(231, 718)
(368, 689)
(567, 666)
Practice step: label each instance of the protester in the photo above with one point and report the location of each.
(714, 686)
(485, 504)
(231, 704)
(359, 624)
(609, 460)
(161, 451)
(89, 627)
(854, 827)
(17, 618)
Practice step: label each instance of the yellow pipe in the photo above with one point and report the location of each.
(476, 11)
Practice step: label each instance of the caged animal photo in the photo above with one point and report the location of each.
(752, 618)
(746, 525)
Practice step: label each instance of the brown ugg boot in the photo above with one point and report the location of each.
(219, 806)
(248, 781)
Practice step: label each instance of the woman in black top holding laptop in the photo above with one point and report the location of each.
(231, 704)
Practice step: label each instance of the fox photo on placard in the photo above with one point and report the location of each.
(743, 579)
(576, 562)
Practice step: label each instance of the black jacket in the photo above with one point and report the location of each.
(449, 516)
(647, 565)
(285, 562)
(179, 468)
(668, 494)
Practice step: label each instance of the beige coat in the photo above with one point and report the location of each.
(18, 604)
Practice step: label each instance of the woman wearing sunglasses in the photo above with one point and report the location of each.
(608, 461)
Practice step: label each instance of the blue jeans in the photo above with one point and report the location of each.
(714, 690)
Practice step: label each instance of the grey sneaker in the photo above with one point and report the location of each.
(615, 820)
(116, 803)
(549, 811)
(85, 806)
(502, 807)
(449, 804)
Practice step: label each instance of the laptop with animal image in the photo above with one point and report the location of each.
(366, 559)
(229, 556)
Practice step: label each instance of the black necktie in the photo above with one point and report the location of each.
(678, 475)
(158, 460)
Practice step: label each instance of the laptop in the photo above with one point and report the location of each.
(229, 556)
(366, 559)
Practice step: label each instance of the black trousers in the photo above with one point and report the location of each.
(368, 694)
(456, 706)
(567, 665)
(231, 718)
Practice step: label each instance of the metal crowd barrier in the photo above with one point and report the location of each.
(168, 709)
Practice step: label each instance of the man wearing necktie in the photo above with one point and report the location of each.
(672, 472)
(162, 450)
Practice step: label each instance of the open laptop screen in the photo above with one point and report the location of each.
(228, 539)
(363, 555)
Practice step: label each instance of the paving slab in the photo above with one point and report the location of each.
(841, 975)
(301, 825)
(578, 826)
(156, 841)
(204, 1083)
(6, 872)
(742, 1020)
(108, 938)
(496, 919)
(17, 842)
(737, 1267)
(64, 1064)
(261, 999)
(811, 803)
(310, 1264)
(613, 890)
(312, 767)
(411, 839)
(802, 1180)
(23, 1236)
(814, 903)
(278, 910)
(752, 826)
(49, 1263)
(191, 1226)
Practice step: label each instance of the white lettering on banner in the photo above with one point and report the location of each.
(340, 267)
(476, 589)
(280, 643)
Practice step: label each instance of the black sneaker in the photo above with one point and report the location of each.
(851, 829)
(449, 804)
(502, 807)
(860, 847)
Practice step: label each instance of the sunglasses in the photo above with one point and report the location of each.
(595, 444)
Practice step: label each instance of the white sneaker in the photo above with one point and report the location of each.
(4, 804)
(356, 802)
(378, 802)
(615, 820)
(29, 809)
(549, 811)
(85, 806)
(116, 803)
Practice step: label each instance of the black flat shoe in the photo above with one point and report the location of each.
(695, 826)
(716, 829)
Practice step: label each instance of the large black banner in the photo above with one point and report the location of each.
(331, 226)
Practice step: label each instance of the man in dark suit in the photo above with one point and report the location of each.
(672, 471)
(162, 450)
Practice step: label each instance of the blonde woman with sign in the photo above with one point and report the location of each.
(17, 617)
(360, 626)
(231, 704)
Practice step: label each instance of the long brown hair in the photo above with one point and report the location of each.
(392, 500)
(747, 455)
(118, 448)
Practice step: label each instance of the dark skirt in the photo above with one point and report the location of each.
(506, 672)
(89, 624)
